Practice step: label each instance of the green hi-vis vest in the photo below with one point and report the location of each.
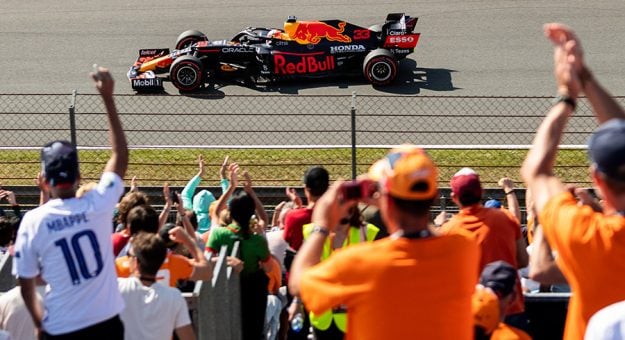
(355, 235)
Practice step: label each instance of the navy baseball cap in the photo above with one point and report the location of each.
(499, 276)
(606, 149)
(59, 162)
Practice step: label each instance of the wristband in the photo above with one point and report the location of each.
(510, 192)
(321, 230)
(565, 99)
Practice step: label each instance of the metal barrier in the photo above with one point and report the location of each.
(215, 306)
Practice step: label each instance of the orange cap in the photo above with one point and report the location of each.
(485, 307)
(407, 172)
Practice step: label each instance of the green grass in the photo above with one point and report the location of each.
(282, 167)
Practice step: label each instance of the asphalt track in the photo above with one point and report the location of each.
(467, 48)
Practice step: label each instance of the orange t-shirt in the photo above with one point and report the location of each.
(275, 276)
(530, 230)
(176, 267)
(507, 332)
(396, 288)
(591, 255)
(497, 232)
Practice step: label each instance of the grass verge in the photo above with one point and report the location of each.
(285, 167)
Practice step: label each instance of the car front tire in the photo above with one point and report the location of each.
(187, 73)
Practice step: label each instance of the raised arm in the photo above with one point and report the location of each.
(44, 195)
(162, 218)
(188, 227)
(602, 102)
(223, 180)
(543, 267)
(261, 214)
(118, 163)
(513, 203)
(201, 268)
(189, 189)
(328, 210)
(223, 199)
(537, 169)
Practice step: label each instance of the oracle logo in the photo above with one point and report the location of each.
(307, 64)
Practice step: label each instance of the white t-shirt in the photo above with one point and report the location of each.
(152, 312)
(608, 323)
(14, 317)
(277, 246)
(68, 241)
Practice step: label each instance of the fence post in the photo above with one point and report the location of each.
(72, 118)
(353, 114)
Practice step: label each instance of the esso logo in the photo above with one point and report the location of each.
(399, 40)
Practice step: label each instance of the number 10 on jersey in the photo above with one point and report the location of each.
(75, 257)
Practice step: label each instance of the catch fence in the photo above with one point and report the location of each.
(276, 137)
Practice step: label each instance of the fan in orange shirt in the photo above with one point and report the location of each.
(498, 232)
(590, 244)
(399, 286)
(176, 267)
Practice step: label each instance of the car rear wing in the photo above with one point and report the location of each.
(400, 22)
(397, 32)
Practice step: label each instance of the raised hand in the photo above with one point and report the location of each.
(234, 170)
(247, 184)
(224, 167)
(201, 166)
(103, 80)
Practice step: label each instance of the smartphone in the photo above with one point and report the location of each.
(174, 196)
(358, 189)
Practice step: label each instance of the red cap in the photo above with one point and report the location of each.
(466, 182)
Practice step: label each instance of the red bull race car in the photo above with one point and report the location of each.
(311, 49)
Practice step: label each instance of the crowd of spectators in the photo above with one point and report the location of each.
(360, 259)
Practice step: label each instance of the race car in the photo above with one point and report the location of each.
(312, 49)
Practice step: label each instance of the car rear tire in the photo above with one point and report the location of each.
(380, 67)
(187, 73)
(188, 38)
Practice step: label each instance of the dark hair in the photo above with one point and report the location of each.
(317, 180)
(355, 217)
(417, 207)
(191, 216)
(241, 209)
(468, 199)
(616, 186)
(142, 218)
(8, 227)
(150, 251)
(164, 234)
(129, 201)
